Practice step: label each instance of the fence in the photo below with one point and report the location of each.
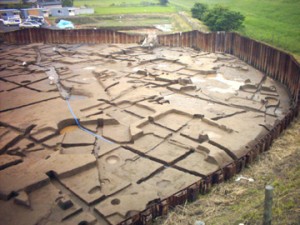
(275, 63)
(89, 36)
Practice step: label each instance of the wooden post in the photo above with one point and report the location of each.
(268, 205)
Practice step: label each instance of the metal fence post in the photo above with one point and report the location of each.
(268, 205)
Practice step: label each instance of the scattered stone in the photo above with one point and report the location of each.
(150, 41)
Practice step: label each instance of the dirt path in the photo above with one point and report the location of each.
(194, 23)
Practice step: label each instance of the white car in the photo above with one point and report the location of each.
(29, 25)
(11, 22)
(39, 19)
(34, 22)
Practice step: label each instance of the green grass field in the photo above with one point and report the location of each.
(107, 7)
(276, 22)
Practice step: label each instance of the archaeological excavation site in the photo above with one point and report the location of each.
(104, 127)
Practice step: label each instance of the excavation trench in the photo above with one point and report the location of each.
(129, 131)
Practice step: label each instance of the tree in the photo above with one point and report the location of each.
(198, 10)
(222, 19)
(163, 2)
(67, 3)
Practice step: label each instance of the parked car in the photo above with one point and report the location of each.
(11, 22)
(39, 19)
(34, 22)
(28, 25)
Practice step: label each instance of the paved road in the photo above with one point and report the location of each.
(4, 28)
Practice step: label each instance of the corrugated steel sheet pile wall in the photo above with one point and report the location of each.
(275, 63)
(89, 36)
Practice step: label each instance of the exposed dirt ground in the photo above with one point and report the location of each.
(236, 202)
(162, 23)
(93, 134)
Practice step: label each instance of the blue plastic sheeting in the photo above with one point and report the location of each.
(84, 129)
(64, 24)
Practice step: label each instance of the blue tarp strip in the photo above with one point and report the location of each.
(84, 129)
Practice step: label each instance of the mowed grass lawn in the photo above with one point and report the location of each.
(107, 7)
(276, 22)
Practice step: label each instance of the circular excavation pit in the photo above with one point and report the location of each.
(164, 119)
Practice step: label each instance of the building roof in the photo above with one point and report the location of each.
(49, 2)
(27, 9)
(29, 1)
(8, 10)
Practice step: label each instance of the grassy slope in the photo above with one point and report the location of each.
(276, 22)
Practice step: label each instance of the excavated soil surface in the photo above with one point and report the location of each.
(149, 122)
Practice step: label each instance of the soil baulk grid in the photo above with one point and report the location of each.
(153, 121)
